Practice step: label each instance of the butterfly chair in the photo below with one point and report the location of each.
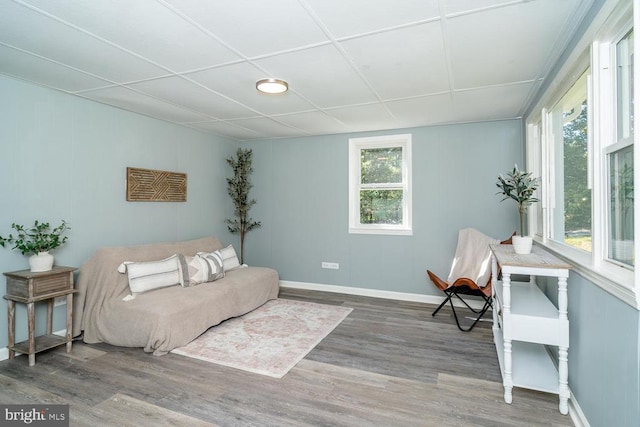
(470, 273)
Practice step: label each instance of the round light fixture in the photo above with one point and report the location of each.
(272, 86)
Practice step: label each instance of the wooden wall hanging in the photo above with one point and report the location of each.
(148, 185)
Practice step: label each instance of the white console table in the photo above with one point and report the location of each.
(524, 321)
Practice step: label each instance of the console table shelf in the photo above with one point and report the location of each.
(532, 366)
(525, 321)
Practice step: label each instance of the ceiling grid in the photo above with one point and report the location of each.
(361, 65)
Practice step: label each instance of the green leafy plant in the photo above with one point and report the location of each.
(238, 188)
(519, 186)
(39, 238)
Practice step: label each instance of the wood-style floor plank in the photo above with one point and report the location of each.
(389, 363)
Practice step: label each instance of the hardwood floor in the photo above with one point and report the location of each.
(389, 363)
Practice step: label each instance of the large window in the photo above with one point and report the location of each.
(380, 185)
(581, 142)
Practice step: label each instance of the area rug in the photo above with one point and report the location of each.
(269, 340)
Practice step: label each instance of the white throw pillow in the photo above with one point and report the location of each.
(149, 275)
(229, 258)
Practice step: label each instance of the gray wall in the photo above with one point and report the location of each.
(62, 157)
(301, 186)
(604, 356)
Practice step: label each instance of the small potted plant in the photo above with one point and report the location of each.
(519, 186)
(37, 240)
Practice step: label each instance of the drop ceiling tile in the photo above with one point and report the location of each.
(226, 129)
(31, 31)
(255, 27)
(314, 122)
(364, 117)
(37, 70)
(423, 110)
(145, 27)
(129, 100)
(189, 95)
(239, 82)
(492, 103)
(508, 44)
(404, 62)
(320, 74)
(459, 6)
(346, 18)
(268, 128)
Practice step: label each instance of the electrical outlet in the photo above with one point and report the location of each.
(331, 265)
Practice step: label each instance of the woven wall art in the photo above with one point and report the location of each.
(148, 185)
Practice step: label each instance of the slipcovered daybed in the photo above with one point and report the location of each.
(166, 318)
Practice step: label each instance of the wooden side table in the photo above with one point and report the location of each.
(28, 288)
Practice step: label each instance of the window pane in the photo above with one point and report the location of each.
(381, 165)
(577, 197)
(621, 207)
(381, 206)
(572, 212)
(624, 61)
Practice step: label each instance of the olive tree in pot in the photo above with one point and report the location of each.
(37, 240)
(520, 187)
(238, 187)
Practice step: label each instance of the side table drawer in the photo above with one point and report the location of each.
(29, 285)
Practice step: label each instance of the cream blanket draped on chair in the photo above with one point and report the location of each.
(470, 273)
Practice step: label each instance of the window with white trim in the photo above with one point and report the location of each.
(380, 185)
(620, 235)
(583, 128)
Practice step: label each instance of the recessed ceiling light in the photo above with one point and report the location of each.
(272, 86)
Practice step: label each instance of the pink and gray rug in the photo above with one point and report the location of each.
(269, 340)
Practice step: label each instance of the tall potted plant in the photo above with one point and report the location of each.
(238, 187)
(37, 240)
(520, 187)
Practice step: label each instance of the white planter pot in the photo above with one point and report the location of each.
(522, 244)
(43, 261)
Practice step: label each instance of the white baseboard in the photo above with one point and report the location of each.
(576, 414)
(374, 293)
(4, 352)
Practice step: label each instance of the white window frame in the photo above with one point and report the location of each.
(356, 145)
(597, 50)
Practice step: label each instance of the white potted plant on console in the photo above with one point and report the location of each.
(519, 186)
(37, 240)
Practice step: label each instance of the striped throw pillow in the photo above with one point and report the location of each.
(212, 264)
(151, 275)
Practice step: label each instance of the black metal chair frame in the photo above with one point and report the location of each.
(464, 290)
